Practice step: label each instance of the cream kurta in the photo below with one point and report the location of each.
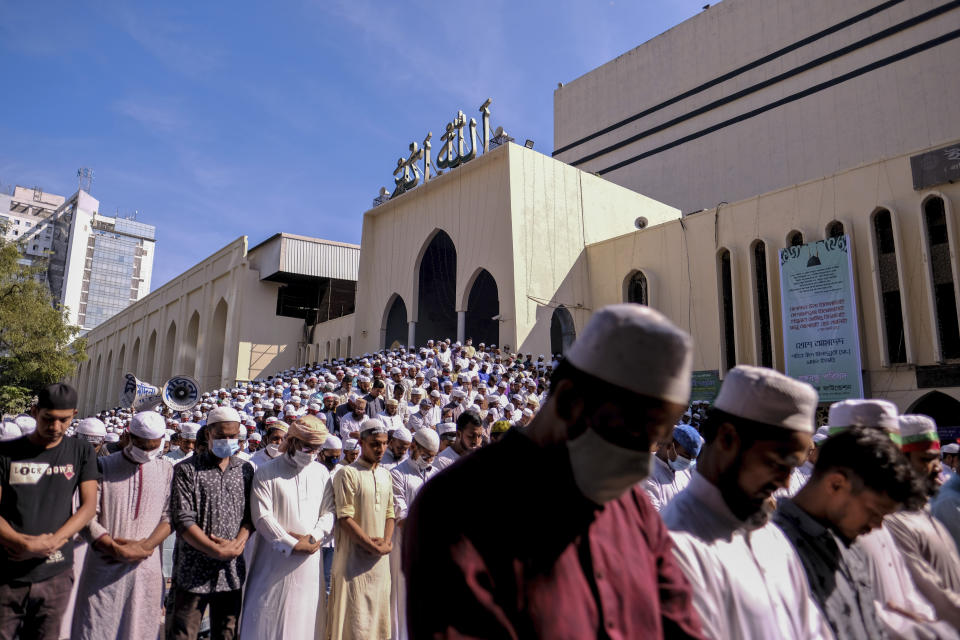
(284, 593)
(360, 581)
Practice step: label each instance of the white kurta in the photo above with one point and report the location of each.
(407, 480)
(359, 605)
(892, 584)
(284, 593)
(664, 483)
(445, 458)
(260, 457)
(747, 584)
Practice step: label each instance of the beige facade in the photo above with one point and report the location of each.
(217, 322)
(517, 214)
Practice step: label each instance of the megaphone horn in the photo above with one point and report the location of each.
(139, 395)
(181, 393)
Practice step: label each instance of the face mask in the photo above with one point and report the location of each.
(303, 458)
(140, 456)
(174, 447)
(681, 463)
(422, 464)
(604, 471)
(331, 462)
(225, 447)
(273, 450)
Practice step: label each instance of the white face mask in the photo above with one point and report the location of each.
(140, 456)
(602, 470)
(273, 450)
(303, 458)
(422, 464)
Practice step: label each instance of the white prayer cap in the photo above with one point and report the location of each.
(953, 448)
(313, 406)
(147, 425)
(391, 402)
(332, 443)
(918, 433)
(434, 394)
(428, 439)
(879, 414)
(445, 428)
(255, 437)
(111, 437)
(402, 435)
(9, 431)
(223, 414)
(769, 397)
(351, 444)
(371, 426)
(617, 335)
(26, 424)
(243, 433)
(289, 409)
(92, 427)
(188, 430)
(458, 393)
(416, 391)
(822, 434)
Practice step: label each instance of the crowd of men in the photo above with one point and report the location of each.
(456, 491)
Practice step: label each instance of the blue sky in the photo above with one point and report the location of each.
(221, 119)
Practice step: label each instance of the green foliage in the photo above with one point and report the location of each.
(37, 345)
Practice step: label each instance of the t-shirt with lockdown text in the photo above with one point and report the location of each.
(36, 497)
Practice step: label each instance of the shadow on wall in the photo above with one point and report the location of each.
(558, 315)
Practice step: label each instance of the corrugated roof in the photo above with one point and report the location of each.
(305, 256)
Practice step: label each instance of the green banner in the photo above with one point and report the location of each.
(821, 340)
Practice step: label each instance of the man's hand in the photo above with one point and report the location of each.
(306, 544)
(39, 546)
(130, 551)
(226, 549)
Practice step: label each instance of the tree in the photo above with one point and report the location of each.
(37, 344)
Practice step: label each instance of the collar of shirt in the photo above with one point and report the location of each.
(664, 466)
(807, 524)
(360, 463)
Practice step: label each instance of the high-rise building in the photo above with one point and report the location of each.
(99, 265)
(25, 219)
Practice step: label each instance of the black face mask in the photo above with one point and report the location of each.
(330, 463)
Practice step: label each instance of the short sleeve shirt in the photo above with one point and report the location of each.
(37, 486)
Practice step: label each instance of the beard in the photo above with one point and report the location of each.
(931, 485)
(754, 511)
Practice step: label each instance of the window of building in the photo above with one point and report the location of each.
(765, 351)
(727, 328)
(794, 239)
(835, 229)
(941, 273)
(891, 306)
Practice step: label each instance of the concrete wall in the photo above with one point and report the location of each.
(905, 105)
(680, 262)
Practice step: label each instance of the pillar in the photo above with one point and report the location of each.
(411, 332)
(461, 326)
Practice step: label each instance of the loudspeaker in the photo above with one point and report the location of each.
(139, 395)
(181, 393)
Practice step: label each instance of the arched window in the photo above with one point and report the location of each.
(835, 229)
(727, 328)
(941, 273)
(762, 291)
(891, 305)
(636, 289)
(794, 239)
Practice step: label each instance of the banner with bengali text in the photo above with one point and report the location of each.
(821, 339)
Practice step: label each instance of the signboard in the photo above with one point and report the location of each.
(706, 386)
(821, 339)
(935, 167)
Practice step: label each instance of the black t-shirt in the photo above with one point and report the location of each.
(37, 488)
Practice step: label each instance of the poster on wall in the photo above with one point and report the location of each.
(821, 339)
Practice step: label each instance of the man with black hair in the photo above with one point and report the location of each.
(859, 478)
(747, 580)
(39, 474)
(593, 560)
(469, 439)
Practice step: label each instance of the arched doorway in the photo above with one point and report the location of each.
(636, 289)
(437, 290)
(214, 341)
(146, 373)
(562, 331)
(483, 304)
(394, 328)
(169, 354)
(944, 409)
(189, 365)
